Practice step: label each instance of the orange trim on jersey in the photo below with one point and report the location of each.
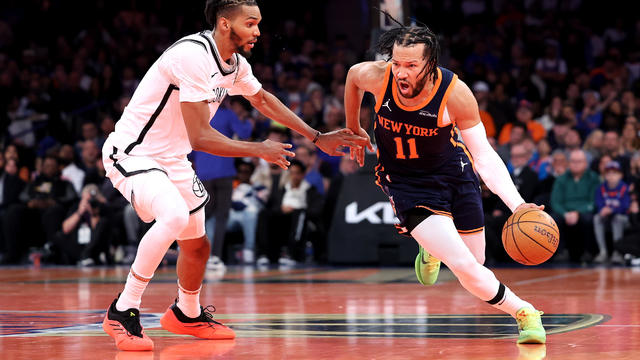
(443, 103)
(437, 212)
(385, 83)
(472, 231)
(468, 155)
(453, 133)
(394, 88)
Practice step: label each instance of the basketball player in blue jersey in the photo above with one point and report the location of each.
(428, 173)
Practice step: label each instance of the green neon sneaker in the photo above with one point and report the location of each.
(427, 267)
(530, 327)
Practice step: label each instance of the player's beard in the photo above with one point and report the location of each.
(420, 82)
(237, 41)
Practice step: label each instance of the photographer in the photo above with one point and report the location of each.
(85, 232)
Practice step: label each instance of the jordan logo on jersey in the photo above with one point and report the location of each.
(218, 95)
(387, 105)
(462, 164)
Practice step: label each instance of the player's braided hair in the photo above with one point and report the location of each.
(408, 36)
(215, 8)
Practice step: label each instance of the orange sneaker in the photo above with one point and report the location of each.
(203, 326)
(124, 327)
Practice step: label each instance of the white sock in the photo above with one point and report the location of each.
(132, 294)
(189, 301)
(507, 301)
(438, 235)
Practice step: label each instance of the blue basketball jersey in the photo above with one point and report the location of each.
(419, 140)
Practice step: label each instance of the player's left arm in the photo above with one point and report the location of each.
(463, 109)
(271, 107)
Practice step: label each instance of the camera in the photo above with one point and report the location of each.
(93, 200)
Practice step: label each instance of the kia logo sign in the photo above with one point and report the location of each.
(378, 213)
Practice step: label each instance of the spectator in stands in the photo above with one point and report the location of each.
(525, 179)
(630, 140)
(517, 134)
(612, 204)
(541, 160)
(281, 229)
(612, 147)
(70, 171)
(524, 115)
(572, 204)
(551, 113)
(10, 188)
(90, 156)
(85, 232)
(37, 219)
(481, 92)
(593, 144)
(217, 174)
(572, 142)
(552, 68)
(246, 202)
(307, 156)
(590, 117)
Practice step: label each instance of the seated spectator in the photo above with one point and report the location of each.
(629, 246)
(246, 202)
(572, 204)
(282, 224)
(572, 142)
(35, 221)
(593, 144)
(85, 232)
(517, 133)
(559, 130)
(481, 92)
(590, 117)
(90, 155)
(559, 166)
(70, 171)
(541, 160)
(612, 204)
(524, 115)
(10, 188)
(307, 156)
(612, 147)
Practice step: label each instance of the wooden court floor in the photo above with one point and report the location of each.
(327, 313)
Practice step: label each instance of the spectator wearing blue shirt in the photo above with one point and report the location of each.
(217, 174)
(612, 203)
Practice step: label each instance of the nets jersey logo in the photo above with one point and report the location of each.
(218, 94)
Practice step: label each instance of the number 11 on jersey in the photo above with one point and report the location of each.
(413, 151)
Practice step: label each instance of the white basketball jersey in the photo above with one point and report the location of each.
(191, 70)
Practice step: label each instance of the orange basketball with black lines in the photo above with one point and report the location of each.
(530, 236)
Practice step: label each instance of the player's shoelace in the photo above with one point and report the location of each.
(132, 325)
(206, 315)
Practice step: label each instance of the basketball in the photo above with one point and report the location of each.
(530, 236)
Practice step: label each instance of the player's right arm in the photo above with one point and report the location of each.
(205, 138)
(365, 76)
(187, 67)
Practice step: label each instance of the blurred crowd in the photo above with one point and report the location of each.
(559, 99)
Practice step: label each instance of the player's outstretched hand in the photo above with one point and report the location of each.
(529, 206)
(331, 141)
(275, 152)
(357, 152)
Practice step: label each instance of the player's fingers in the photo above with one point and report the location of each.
(289, 153)
(287, 146)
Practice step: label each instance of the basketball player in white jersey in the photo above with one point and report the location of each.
(146, 160)
(422, 165)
